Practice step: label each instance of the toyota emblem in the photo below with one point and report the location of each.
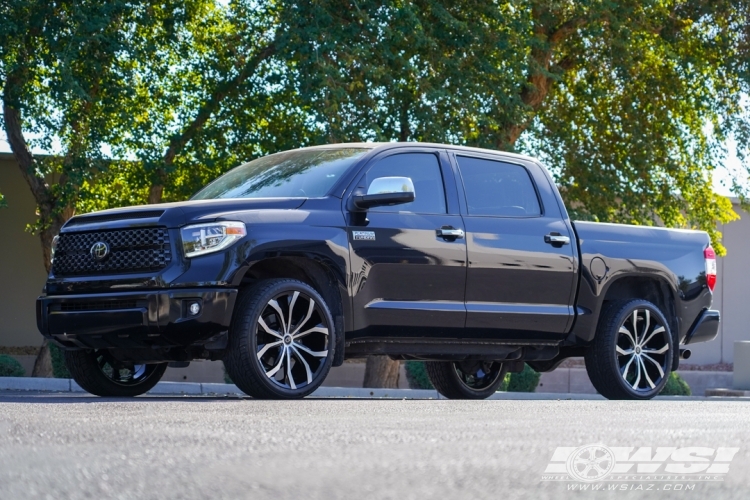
(99, 251)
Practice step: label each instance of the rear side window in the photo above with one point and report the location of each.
(424, 171)
(498, 189)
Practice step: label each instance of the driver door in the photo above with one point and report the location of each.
(407, 280)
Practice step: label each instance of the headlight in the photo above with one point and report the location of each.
(53, 247)
(200, 239)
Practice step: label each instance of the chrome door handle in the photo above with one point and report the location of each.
(556, 239)
(450, 233)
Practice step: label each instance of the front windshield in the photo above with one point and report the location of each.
(293, 174)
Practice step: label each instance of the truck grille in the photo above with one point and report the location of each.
(127, 251)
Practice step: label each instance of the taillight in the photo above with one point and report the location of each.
(710, 257)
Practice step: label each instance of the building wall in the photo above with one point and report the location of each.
(22, 272)
(732, 294)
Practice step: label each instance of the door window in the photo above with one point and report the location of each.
(424, 171)
(498, 189)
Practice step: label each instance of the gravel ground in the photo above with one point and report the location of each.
(74, 446)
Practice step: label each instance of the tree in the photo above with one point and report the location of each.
(66, 69)
(630, 103)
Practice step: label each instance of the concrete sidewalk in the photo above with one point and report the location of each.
(210, 389)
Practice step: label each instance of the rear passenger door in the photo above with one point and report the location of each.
(521, 277)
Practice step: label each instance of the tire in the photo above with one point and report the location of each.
(466, 379)
(99, 373)
(631, 355)
(281, 340)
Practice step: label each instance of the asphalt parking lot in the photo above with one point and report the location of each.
(75, 446)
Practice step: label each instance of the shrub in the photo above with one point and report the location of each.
(59, 369)
(525, 381)
(675, 386)
(10, 367)
(227, 378)
(416, 375)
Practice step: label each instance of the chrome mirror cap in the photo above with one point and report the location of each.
(388, 185)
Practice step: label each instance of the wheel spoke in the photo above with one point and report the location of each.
(267, 347)
(664, 349)
(645, 373)
(276, 306)
(310, 309)
(317, 354)
(624, 352)
(292, 301)
(625, 331)
(317, 329)
(306, 365)
(268, 330)
(645, 328)
(289, 367)
(626, 368)
(635, 326)
(658, 366)
(273, 371)
(638, 377)
(656, 330)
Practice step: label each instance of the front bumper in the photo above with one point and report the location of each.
(135, 319)
(705, 328)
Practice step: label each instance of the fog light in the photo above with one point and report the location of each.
(194, 308)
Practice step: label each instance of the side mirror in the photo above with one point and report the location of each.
(385, 191)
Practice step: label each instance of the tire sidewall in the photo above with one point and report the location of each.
(252, 338)
(612, 338)
(84, 369)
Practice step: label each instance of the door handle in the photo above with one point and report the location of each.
(556, 239)
(450, 233)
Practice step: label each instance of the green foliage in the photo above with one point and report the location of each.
(59, 368)
(524, 381)
(227, 378)
(10, 367)
(634, 105)
(416, 375)
(675, 386)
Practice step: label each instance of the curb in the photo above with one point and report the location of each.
(212, 389)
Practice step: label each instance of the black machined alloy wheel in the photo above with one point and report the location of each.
(631, 356)
(102, 374)
(281, 341)
(475, 379)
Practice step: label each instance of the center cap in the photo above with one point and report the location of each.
(637, 350)
(287, 339)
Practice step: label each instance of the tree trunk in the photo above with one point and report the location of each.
(381, 372)
(43, 362)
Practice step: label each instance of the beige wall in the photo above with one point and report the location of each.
(22, 273)
(732, 294)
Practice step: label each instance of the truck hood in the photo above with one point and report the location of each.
(174, 215)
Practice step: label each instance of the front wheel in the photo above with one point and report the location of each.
(466, 379)
(281, 340)
(632, 353)
(101, 374)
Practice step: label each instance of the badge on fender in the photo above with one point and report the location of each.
(364, 235)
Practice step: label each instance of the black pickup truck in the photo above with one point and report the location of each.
(289, 264)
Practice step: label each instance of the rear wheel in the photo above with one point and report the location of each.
(100, 373)
(281, 340)
(466, 379)
(631, 356)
